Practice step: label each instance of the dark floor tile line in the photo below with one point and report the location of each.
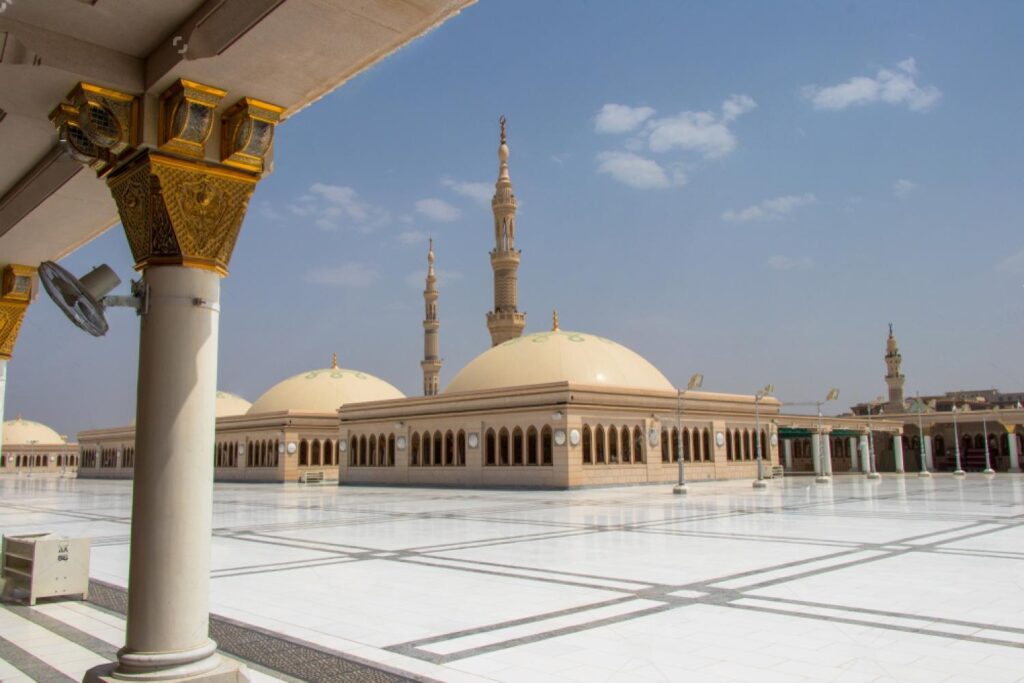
(29, 664)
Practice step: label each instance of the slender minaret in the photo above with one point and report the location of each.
(893, 377)
(505, 321)
(431, 363)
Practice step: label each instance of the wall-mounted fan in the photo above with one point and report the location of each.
(84, 301)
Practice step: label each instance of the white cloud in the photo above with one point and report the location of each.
(418, 278)
(620, 118)
(353, 275)
(480, 192)
(736, 106)
(438, 210)
(903, 187)
(790, 263)
(637, 171)
(334, 207)
(769, 209)
(894, 86)
(1012, 264)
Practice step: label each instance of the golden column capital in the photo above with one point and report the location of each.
(15, 294)
(181, 212)
(1010, 427)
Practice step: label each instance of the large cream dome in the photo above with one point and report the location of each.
(231, 404)
(21, 432)
(559, 356)
(324, 391)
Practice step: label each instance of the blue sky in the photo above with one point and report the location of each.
(749, 190)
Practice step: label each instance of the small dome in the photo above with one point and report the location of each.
(19, 432)
(323, 391)
(231, 404)
(559, 356)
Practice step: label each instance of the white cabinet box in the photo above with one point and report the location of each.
(46, 565)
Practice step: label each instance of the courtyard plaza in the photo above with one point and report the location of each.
(902, 579)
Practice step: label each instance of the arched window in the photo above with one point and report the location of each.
(353, 450)
(277, 452)
(588, 445)
(460, 448)
(613, 444)
(624, 440)
(531, 446)
(364, 451)
(517, 446)
(546, 450)
(746, 444)
(638, 445)
(503, 446)
(437, 448)
(391, 450)
(979, 441)
(765, 453)
(687, 453)
(249, 455)
(303, 453)
(490, 450)
(728, 444)
(939, 445)
(314, 458)
(599, 444)
(966, 438)
(449, 448)
(414, 449)
(664, 445)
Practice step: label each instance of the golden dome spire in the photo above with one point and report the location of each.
(334, 360)
(554, 320)
(502, 121)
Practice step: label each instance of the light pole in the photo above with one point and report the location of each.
(696, 382)
(824, 475)
(988, 460)
(872, 472)
(768, 389)
(959, 471)
(919, 409)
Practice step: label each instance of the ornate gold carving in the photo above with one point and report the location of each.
(181, 212)
(98, 126)
(17, 283)
(187, 117)
(247, 132)
(11, 315)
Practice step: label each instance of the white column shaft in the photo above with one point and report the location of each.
(1011, 438)
(897, 449)
(787, 453)
(827, 455)
(816, 452)
(169, 575)
(928, 458)
(3, 392)
(865, 455)
(853, 454)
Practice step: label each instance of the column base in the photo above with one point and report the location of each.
(988, 470)
(760, 484)
(959, 473)
(227, 671)
(1015, 470)
(680, 489)
(925, 473)
(822, 479)
(873, 475)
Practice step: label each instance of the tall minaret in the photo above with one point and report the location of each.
(431, 363)
(505, 321)
(893, 378)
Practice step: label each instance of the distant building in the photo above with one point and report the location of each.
(33, 448)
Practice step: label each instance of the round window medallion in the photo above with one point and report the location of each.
(342, 446)
(719, 439)
(280, 448)
(292, 447)
(652, 436)
(775, 439)
(574, 437)
(473, 439)
(400, 442)
(559, 437)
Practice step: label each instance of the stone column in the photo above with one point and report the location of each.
(3, 392)
(897, 449)
(816, 453)
(15, 292)
(787, 453)
(853, 454)
(1011, 439)
(928, 458)
(827, 455)
(865, 454)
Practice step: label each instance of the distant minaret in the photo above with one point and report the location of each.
(893, 378)
(431, 363)
(505, 321)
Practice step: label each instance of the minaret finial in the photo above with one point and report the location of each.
(502, 121)
(334, 360)
(890, 329)
(554, 320)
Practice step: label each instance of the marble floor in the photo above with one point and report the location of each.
(903, 579)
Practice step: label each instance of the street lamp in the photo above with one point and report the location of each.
(872, 472)
(696, 382)
(768, 389)
(824, 464)
(919, 408)
(958, 472)
(988, 461)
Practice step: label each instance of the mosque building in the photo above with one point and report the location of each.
(33, 448)
(550, 409)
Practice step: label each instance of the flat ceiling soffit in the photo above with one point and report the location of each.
(290, 52)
